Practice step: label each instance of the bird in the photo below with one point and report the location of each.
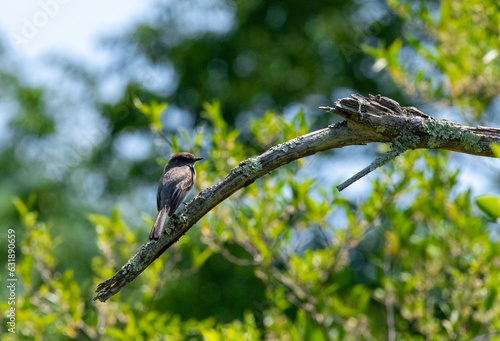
(178, 178)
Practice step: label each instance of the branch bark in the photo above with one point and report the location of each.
(368, 119)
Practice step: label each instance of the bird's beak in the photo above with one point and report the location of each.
(198, 159)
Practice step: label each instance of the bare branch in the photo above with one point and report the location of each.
(380, 161)
(373, 119)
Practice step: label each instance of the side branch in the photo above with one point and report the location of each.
(380, 161)
(373, 119)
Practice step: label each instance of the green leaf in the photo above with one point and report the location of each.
(28, 218)
(496, 149)
(214, 113)
(375, 52)
(489, 204)
(267, 129)
(419, 76)
(20, 206)
(152, 111)
(393, 52)
(200, 258)
(115, 333)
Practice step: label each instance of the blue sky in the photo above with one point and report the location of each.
(73, 27)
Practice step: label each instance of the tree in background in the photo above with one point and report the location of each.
(449, 52)
(286, 258)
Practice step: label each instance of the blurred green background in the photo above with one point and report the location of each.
(409, 253)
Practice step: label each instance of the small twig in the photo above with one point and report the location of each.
(380, 161)
(304, 301)
(389, 302)
(164, 138)
(485, 337)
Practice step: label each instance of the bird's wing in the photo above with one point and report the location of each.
(158, 199)
(180, 192)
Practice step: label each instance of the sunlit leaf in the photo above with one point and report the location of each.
(489, 204)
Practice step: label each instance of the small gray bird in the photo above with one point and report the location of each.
(177, 179)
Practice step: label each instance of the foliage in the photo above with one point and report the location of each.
(450, 51)
(412, 253)
(153, 112)
(489, 204)
(286, 258)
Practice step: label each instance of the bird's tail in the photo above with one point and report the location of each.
(158, 226)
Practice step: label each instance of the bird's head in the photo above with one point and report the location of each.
(183, 159)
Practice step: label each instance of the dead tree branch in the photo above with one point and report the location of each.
(372, 119)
